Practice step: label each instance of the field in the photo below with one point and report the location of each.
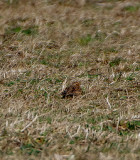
(45, 45)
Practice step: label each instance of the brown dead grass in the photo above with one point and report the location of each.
(45, 45)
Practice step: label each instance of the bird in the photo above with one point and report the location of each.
(72, 90)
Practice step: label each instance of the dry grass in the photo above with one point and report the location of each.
(45, 45)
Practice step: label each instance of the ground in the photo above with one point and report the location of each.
(47, 45)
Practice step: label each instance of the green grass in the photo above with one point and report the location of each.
(26, 31)
(116, 61)
(85, 40)
(132, 8)
(29, 149)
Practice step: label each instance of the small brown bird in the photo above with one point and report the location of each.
(73, 90)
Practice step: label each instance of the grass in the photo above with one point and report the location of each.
(45, 45)
(85, 40)
(27, 31)
(132, 8)
(115, 61)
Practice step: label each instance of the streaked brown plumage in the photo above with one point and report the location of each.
(73, 90)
